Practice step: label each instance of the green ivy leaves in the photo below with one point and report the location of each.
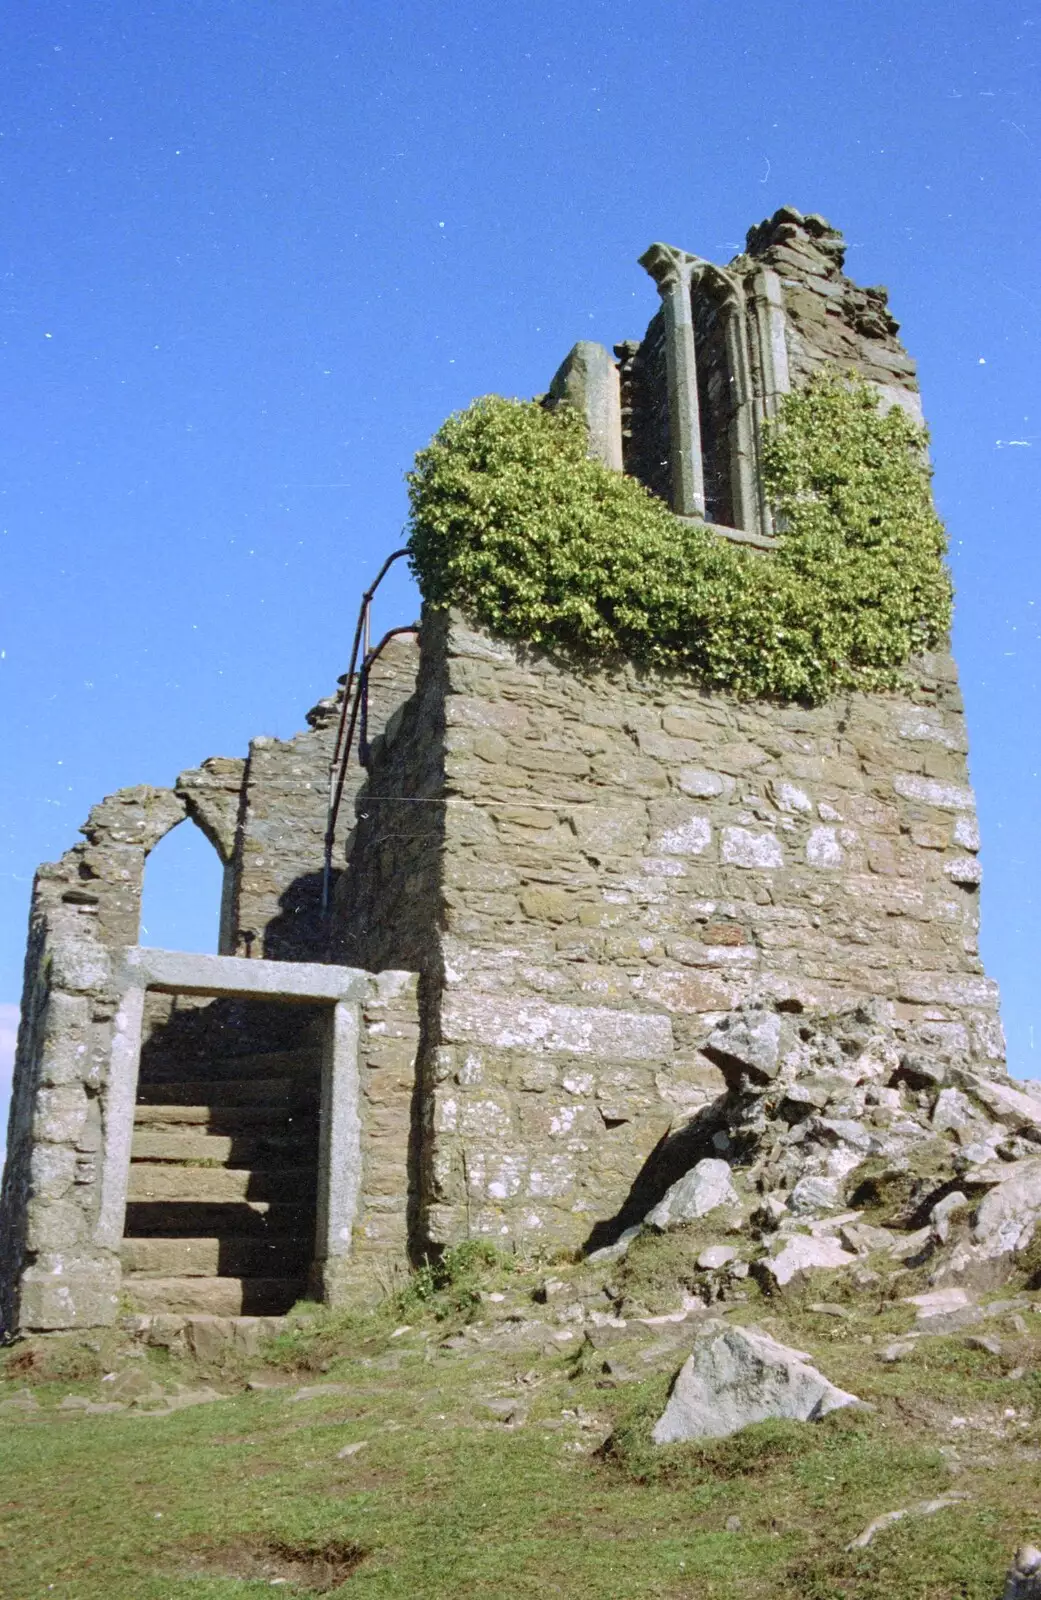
(511, 521)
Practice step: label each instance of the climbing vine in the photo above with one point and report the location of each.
(512, 521)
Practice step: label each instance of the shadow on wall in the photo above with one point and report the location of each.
(673, 1155)
(301, 931)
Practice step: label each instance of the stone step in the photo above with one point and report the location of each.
(191, 1147)
(174, 1219)
(280, 1091)
(218, 1297)
(227, 1257)
(158, 1180)
(209, 1338)
(300, 1064)
(229, 1120)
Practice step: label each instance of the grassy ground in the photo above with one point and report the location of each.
(509, 1462)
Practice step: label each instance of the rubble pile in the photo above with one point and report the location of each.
(844, 1149)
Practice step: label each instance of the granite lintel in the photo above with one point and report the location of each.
(184, 972)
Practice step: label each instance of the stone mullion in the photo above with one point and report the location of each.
(744, 479)
(671, 270)
(772, 350)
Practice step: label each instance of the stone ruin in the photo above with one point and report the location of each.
(587, 939)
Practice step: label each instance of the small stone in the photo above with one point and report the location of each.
(615, 1252)
(862, 1238)
(182, 1398)
(812, 1194)
(715, 1256)
(939, 1302)
(904, 1247)
(505, 1409)
(1023, 1580)
(742, 848)
(983, 1341)
(896, 1351)
(733, 1525)
(787, 797)
(940, 1215)
(803, 1254)
(351, 1450)
(965, 870)
(1008, 1214)
(319, 1391)
(24, 1400)
(823, 849)
(133, 1384)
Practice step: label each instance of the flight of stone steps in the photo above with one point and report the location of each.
(221, 1204)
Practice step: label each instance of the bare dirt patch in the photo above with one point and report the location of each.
(312, 1569)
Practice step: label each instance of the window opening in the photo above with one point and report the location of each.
(183, 891)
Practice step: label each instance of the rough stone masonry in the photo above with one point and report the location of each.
(555, 889)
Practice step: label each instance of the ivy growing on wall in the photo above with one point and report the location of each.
(512, 522)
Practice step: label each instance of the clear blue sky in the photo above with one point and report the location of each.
(255, 253)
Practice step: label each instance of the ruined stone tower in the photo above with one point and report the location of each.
(547, 889)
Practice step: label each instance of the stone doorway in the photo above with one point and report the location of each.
(232, 1156)
(222, 1197)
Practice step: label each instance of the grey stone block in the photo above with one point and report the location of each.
(588, 380)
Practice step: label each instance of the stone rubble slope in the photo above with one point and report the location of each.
(847, 1150)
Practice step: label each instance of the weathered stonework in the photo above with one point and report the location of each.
(556, 894)
(726, 346)
(616, 863)
(61, 1240)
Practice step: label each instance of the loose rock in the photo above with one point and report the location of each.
(1023, 1581)
(924, 1508)
(740, 1375)
(705, 1188)
(802, 1254)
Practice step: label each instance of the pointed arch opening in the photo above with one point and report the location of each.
(183, 898)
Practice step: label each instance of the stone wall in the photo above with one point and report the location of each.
(830, 320)
(280, 847)
(385, 1224)
(624, 860)
(84, 908)
(645, 408)
(266, 818)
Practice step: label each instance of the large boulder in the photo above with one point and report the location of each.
(1008, 1214)
(706, 1187)
(737, 1376)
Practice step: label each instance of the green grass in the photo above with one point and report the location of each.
(209, 1503)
